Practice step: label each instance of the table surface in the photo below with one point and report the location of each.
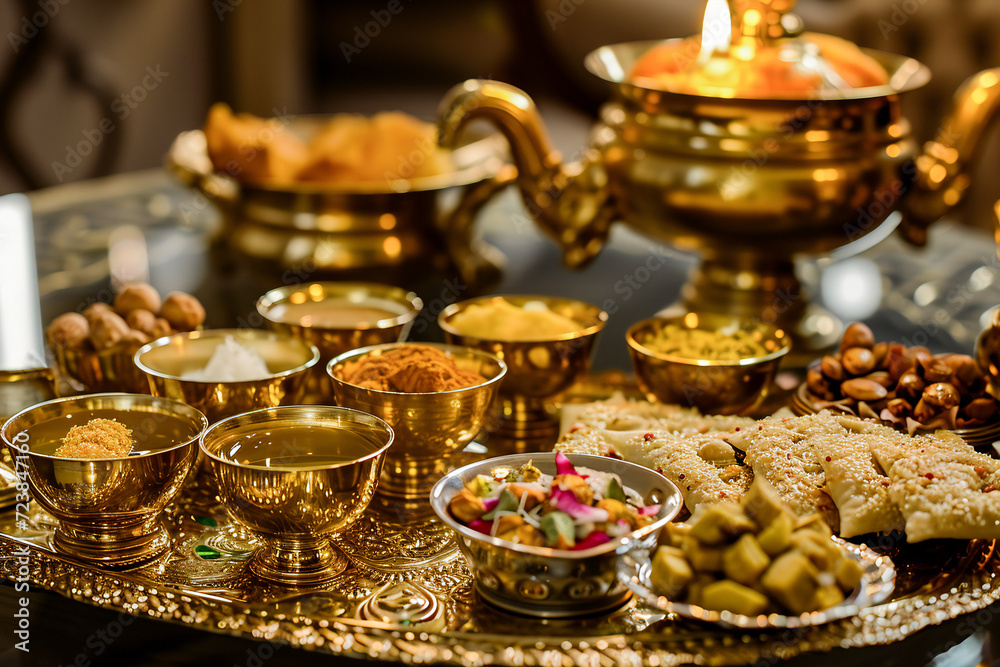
(938, 296)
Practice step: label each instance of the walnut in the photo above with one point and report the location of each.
(69, 330)
(183, 311)
(106, 329)
(92, 311)
(135, 296)
(142, 319)
(135, 337)
(161, 328)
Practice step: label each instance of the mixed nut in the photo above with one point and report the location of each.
(907, 387)
(94, 348)
(138, 316)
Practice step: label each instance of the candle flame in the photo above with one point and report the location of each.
(716, 30)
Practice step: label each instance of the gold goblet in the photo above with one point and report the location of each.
(714, 386)
(338, 317)
(166, 360)
(294, 476)
(430, 427)
(108, 509)
(537, 370)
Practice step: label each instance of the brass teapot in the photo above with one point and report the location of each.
(751, 184)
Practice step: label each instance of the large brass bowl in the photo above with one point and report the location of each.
(108, 509)
(724, 387)
(166, 360)
(537, 370)
(332, 341)
(430, 427)
(391, 229)
(750, 184)
(552, 583)
(295, 509)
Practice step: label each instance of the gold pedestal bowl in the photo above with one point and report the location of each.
(294, 476)
(166, 360)
(430, 427)
(538, 371)
(276, 307)
(714, 386)
(751, 184)
(108, 509)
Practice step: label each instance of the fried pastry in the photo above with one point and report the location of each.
(947, 494)
(779, 449)
(673, 455)
(620, 414)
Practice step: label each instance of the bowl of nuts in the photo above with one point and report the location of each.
(94, 348)
(717, 363)
(905, 387)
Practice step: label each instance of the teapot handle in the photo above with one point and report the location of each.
(570, 203)
(942, 171)
(479, 264)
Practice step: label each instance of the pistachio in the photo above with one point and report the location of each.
(832, 368)
(862, 389)
(857, 335)
(69, 330)
(183, 311)
(941, 395)
(858, 360)
(135, 296)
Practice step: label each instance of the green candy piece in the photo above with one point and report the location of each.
(615, 491)
(559, 524)
(508, 503)
(206, 521)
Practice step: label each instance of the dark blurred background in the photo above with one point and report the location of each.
(152, 67)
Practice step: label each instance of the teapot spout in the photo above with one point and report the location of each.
(942, 171)
(569, 203)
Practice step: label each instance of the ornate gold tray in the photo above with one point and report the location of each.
(408, 597)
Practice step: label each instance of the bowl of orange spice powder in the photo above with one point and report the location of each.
(435, 397)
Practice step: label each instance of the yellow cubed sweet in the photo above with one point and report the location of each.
(777, 536)
(744, 561)
(792, 580)
(670, 573)
(728, 595)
